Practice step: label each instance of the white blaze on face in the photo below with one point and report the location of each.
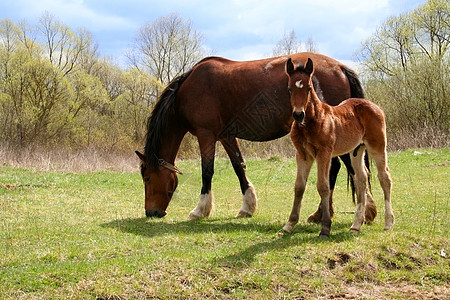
(299, 84)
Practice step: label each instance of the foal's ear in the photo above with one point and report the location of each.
(309, 68)
(289, 66)
(141, 156)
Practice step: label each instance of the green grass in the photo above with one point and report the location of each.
(84, 236)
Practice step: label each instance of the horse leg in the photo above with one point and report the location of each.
(323, 187)
(250, 201)
(316, 217)
(384, 176)
(360, 179)
(371, 208)
(304, 164)
(206, 203)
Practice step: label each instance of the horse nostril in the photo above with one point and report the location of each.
(298, 116)
(155, 213)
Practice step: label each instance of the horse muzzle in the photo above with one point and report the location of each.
(298, 116)
(155, 213)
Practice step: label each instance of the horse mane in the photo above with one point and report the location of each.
(162, 112)
(317, 88)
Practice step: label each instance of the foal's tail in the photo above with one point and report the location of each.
(356, 91)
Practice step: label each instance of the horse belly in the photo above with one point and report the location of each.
(265, 117)
(347, 141)
(258, 128)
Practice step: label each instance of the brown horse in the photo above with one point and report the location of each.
(222, 100)
(320, 132)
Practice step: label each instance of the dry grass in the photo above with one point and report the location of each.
(88, 160)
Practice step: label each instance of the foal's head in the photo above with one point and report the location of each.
(299, 85)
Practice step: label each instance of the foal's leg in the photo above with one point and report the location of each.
(304, 164)
(316, 217)
(250, 201)
(384, 176)
(323, 159)
(360, 179)
(371, 208)
(206, 203)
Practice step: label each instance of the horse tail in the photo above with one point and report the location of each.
(356, 91)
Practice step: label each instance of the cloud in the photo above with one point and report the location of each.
(73, 13)
(238, 29)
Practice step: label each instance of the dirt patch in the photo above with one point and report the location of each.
(444, 164)
(341, 258)
(392, 291)
(8, 186)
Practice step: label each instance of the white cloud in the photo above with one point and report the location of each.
(239, 29)
(74, 13)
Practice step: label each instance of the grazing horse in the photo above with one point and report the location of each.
(320, 132)
(222, 100)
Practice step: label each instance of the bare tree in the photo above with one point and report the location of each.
(166, 48)
(406, 65)
(290, 44)
(63, 46)
(310, 45)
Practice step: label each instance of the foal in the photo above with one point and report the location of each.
(320, 132)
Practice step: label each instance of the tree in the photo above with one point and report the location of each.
(406, 66)
(166, 48)
(65, 48)
(290, 44)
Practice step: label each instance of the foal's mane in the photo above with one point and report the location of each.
(162, 113)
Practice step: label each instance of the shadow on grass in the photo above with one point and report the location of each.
(303, 235)
(157, 227)
(271, 239)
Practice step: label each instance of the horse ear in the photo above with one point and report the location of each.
(289, 66)
(309, 68)
(140, 155)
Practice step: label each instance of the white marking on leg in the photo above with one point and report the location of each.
(384, 176)
(250, 202)
(360, 180)
(205, 206)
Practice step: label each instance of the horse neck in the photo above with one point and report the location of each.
(314, 109)
(171, 143)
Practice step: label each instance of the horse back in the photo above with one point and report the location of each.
(249, 99)
(361, 117)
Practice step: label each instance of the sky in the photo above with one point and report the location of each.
(237, 29)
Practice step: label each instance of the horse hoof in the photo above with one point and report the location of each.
(354, 230)
(323, 236)
(314, 219)
(386, 228)
(243, 214)
(194, 216)
(288, 228)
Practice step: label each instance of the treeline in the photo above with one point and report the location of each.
(57, 91)
(406, 70)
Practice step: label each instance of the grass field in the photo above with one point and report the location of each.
(70, 235)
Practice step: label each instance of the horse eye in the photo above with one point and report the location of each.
(147, 179)
(309, 88)
(289, 90)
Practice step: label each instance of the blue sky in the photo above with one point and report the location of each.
(237, 29)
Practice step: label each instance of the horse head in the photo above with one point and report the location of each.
(299, 86)
(160, 182)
